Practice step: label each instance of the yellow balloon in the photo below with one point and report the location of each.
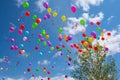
(55, 14)
(59, 35)
(90, 39)
(49, 10)
(102, 34)
(85, 44)
(51, 48)
(63, 18)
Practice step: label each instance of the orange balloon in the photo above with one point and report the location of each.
(85, 44)
(47, 36)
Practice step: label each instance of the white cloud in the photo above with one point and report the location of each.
(112, 42)
(93, 18)
(39, 4)
(69, 29)
(53, 78)
(57, 54)
(20, 2)
(45, 62)
(109, 19)
(85, 4)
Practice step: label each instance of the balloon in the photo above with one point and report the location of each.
(48, 72)
(43, 32)
(92, 23)
(108, 34)
(98, 23)
(38, 40)
(38, 20)
(86, 51)
(20, 31)
(90, 39)
(63, 18)
(28, 70)
(25, 4)
(22, 51)
(27, 32)
(55, 14)
(73, 9)
(39, 35)
(34, 17)
(47, 36)
(60, 38)
(36, 48)
(24, 38)
(22, 26)
(49, 43)
(21, 45)
(34, 25)
(27, 13)
(45, 17)
(98, 28)
(104, 30)
(60, 29)
(42, 39)
(12, 40)
(49, 10)
(93, 33)
(51, 48)
(65, 37)
(45, 4)
(82, 22)
(69, 37)
(44, 43)
(48, 15)
(85, 44)
(15, 47)
(37, 69)
(84, 35)
(12, 47)
(11, 29)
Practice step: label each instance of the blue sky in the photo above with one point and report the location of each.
(11, 10)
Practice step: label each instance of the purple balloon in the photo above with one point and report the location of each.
(45, 17)
(12, 40)
(42, 39)
(48, 15)
(93, 33)
(69, 37)
(12, 47)
(60, 38)
(45, 4)
(49, 43)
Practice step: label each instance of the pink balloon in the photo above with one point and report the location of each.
(92, 23)
(20, 31)
(24, 38)
(11, 29)
(73, 9)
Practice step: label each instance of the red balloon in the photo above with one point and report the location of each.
(70, 59)
(98, 23)
(33, 75)
(36, 48)
(48, 78)
(103, 38)
(80, 50)
(22, 27)
(38, 20)
(28, 70)
(27, 13)
(48, 72)
(109, 34)
(66, 76)
(84, 35)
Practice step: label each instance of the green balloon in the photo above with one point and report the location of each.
(34, 25)
(37, 69)
(43, 32)
(34, 17)
(25, 4)
(82, 22)
(44, 43)
(60, 29)
(98, 28)
(38, 40)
